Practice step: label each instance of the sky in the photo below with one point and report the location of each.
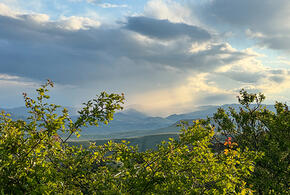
(166, 56)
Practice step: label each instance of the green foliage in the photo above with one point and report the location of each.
(34, 159)
(28, 150)
(257, 128)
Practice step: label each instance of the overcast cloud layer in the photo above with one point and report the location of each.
(168, 57)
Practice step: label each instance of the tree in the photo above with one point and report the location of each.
(29, 149)
(34, 159)
(257, 128)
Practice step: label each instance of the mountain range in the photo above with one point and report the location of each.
(132, 123)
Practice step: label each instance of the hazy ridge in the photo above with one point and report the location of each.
(134, 126)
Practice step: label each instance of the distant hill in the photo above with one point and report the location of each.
(204, 111)
(129, 120)
(131, 123)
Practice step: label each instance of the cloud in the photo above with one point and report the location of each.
(266, 21)
(77, 50)
(266, 16)
(257, 77)
(105, 5)
(8, 77)
(252, 75)
(275, 83)
(170, 10)
(161, 62)
(77, 23)
(196, 90)
(7, 11)
(283, 60)
(7, 80)
(164, 29)
(109, 5)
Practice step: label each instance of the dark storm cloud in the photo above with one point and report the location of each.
(164, 29)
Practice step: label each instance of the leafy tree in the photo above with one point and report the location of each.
(188, 166)
(257, 128)
(34, 159)
(28, 150)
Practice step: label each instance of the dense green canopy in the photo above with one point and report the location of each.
(34, 159)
